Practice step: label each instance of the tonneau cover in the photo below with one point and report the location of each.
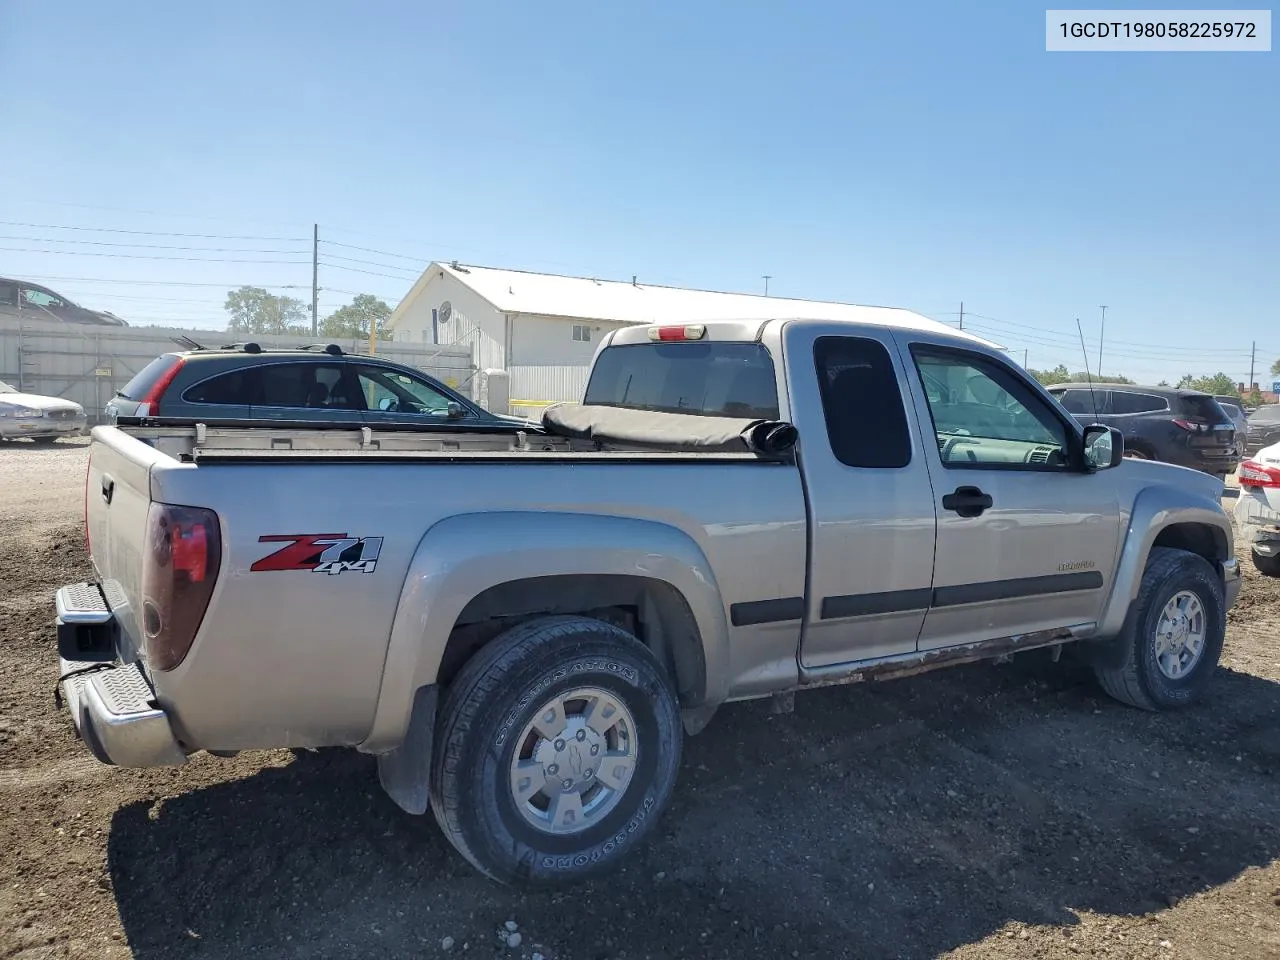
(669, 431)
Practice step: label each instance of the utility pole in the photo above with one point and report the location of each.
(1024, 360)
(1253, 355)
(315, 278)
(767, 278)
(1101, 335)
(961, 314)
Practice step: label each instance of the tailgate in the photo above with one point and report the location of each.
(117, 497)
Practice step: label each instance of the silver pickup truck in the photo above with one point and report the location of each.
(522, 628)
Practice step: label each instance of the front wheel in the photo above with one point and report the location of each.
(557, 751)
(1267, 566)
(1172, 638)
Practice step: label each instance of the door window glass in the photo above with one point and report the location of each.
(309, 385)
(229, 389)
(40, 298)
(1124, 402)
(862, 403)
(392, 391)
(985, 415)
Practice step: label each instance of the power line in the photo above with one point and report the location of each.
(146, 246)
(374, 263)
(168, 283)
(382, 253)
(146, 256)
(371, 273)
(152, 233)
(1197, 351)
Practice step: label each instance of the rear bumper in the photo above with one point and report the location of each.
(112, 704)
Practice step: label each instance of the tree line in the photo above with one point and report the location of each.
(256, 310)
(1218, 384)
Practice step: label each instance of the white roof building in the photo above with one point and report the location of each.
(544, 328)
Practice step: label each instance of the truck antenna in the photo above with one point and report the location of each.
(1093, 397)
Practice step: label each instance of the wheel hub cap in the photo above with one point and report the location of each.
(1180, 635)
(573, 761)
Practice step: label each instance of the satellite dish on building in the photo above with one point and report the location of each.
(446, 311)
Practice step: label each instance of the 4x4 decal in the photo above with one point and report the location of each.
(330, 553)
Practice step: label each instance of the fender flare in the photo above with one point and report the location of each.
(460, 557)
(1154, 510)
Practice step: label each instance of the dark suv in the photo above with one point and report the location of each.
(1264, 427)
(1183, 427)
(317, 384)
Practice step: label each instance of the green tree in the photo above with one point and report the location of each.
(1255, 398)
(1058, 374)
(352, 321)
(1219, 384)
(254, 310)
(1275, 369)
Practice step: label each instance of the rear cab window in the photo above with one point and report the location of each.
(707, 378)
(862, 403)
(146, 378)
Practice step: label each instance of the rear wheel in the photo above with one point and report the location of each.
(1172, 638)
(1267, 566)
(558, 748)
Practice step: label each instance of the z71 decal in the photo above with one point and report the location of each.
(330, 553)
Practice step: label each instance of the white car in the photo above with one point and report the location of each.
(1258, 507)
(43, 419)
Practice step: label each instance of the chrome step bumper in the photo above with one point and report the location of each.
(112, 705)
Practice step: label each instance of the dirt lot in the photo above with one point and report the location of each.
(977, 812)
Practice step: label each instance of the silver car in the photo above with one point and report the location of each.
(43, 419)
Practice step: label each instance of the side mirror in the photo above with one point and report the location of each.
(385, 403)
(1103, 447)
(455, 410)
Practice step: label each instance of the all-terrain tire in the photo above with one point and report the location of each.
(1267, 566)
(492, 700)
(1127, 666)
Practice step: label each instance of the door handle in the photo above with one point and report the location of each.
(108, 488)
(967, 501)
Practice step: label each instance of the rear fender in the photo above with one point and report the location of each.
(461, 557)
(1155, 510)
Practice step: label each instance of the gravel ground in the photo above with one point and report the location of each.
(981, 811)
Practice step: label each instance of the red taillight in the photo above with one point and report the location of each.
(179, 568)
(1254, 474)
(148, 404)
(691, 331)
(1192, 426)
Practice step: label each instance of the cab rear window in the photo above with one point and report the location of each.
(148, 376)
(702, 378)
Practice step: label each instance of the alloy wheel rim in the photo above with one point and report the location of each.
(1180, 635)
(574, 761)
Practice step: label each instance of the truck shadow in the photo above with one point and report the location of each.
(903, 820)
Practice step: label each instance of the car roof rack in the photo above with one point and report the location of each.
(330, 348)
(247, 346)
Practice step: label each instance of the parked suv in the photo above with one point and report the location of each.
(317, 384)
(22, 299)
(1264, 427)
(1233, 407)
(1182, 427)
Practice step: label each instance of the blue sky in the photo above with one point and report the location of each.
(916, 155)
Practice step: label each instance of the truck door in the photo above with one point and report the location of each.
(1027, 540)
(871, 510)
